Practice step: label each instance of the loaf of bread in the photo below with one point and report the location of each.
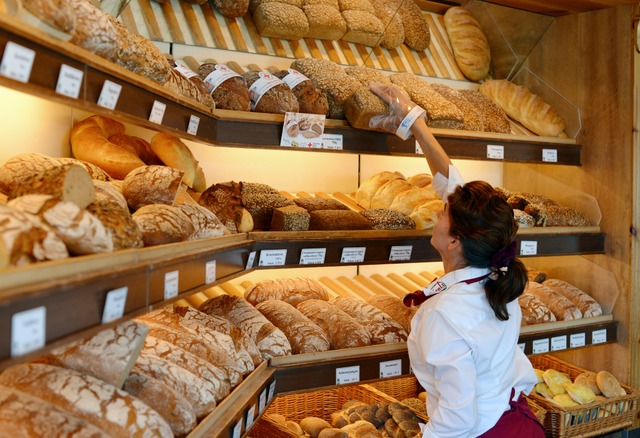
(22, 415)
(387, 193)
(381, 327)
(494, 118)
(137, 146)
(124, 230)
(417, 34)
(470, 46)
(161, 224)
(394, 307)
(425, 215)
(470, 113)
(290, 290)
(289, 218)
(393, 35)
(270, 340)
(91, 399)
(362, 27)
(228, 89)
(205, 223)
(187, 72)
(148, 185)
(313, 203)
(268, 93)
(262, 205)
(225, 201)
(407, 201)
(20, 167)
(304, 335)
(107, 191)
(172, 406)
(253, 4)
(556, 216)
(232, 8)
(343, 330)
(534, 311)
(562, 308)
(361, 106)
(280, 20)
(174, 153)
(524, 107)
(369, 187)
(325, 22)
(386, 219)
(582, 300)
(310, 99)
(95, 172)
(338, 220)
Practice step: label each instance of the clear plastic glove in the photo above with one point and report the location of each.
(402, 111)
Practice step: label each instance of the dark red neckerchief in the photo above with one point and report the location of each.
(418, 297)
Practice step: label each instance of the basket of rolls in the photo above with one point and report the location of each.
(356, 410)
(581, 403)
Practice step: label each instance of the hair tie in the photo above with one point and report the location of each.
(503, 257)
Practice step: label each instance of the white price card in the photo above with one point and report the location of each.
(312, 256)
(550, 155)
(17, 62)
(418, 148)
(272, 257)
(332, 141)
(400, 253)
(28, 330)
(171, 284)
(272, 391)
(559, 343)
(157, 112)
(347, 375)
(528, 247)
(210, 272)
(577, 340)
(237, 429)
(353, 255)
(262, 401)
(194, 122)
(114, 304)
(69, 81)
(540, 346)
(522, 346)
(251, 260)
(391, 368)
(495, 152)
(109, 95)
(251, 415)
(599, 336)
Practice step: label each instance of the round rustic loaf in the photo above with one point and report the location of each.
(161, 224)
(148, 185)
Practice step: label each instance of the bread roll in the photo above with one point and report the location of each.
(555, 380)
(588, 379)
(470, 46)
(381, 327)
(314, 425)
(393, 307)
(524, 107)
(174, 153)
(343, 330)
(609, 385)
(280, 20)
(562, 308)
(290, 290)
(91, 399)
(587, 305)
(303, 334)
(580, 393)
(161, 224)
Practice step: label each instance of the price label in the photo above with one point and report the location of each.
(353, 255)
(332, 141)
(528, 247)
(577, 340)
(28, 330)
(312, 256)
(400, 253)
(540, 346)
(109, 95)
(114, 304)
(251, 415)
(558, 343)
(237, 429)
(272, 391)
(251, 260)
(418, 148)
(522, 346)
(210, 272)
(171, 284)
(495, 152)
(17, 62)
(262, 401)
(347, 375)
(272, 257)
(391, 368)
(157, 112)
(550, 155)
(69, 81)
(599, 336)
(194, 122)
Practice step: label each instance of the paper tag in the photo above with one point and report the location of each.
(353, 255)
(171, 284)
(262, 401)
(157, 112)
(114, 304)
(332, 141)
(251, 413)
(418, 148)
(577, 340)
(220, 74)
(109, 94)
(302, 130)
(69, 81)
(528, 247)
(17, 62)
(194, 122)
(495, 152)
(347, 375)
(550, 155)
(540, 346)
(599, 336)
(272, 257)
(28, 330)
(210, 272)
(522, 346)
(272, 391)
(237, 429)
(312, 256)
(391, 368)
(400, 253)
(559, 343)
(294, 78)
(185, 71)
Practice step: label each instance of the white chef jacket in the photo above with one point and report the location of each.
(465, 358)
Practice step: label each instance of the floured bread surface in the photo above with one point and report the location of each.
(290, 290)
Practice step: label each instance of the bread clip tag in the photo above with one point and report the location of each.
(260, 87)
(294, 78)
(404, 130)
(220, 74)
(185, 71)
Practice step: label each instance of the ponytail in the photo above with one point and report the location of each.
(504, 286)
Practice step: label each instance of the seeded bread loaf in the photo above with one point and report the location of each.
(124, 230)
(325, 22)
(310, 98)
(417, 34)
(387, 219)
(290, 218)
(290, 290)
(317, 203)
(227, 88)
(362, 27)
(232, 8)
(343, 330)
(393, 35)
(494, 118)
(338, 220)
(381, 327)
(471, 115)
(281, 20)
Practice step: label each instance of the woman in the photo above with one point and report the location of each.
(463, 342)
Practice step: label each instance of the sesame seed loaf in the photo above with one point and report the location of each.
(393, 35)
(416, 29)
(289, 218)
(315, 203)
(366, 75)
(356, 5)
(362, 27)
(332, 3)
(281, 20)
(253, 4)
(338, 220)
(387, 219)
(361, 106)
(325, 22)
(494, 118)
(471, 115)
(261, 206)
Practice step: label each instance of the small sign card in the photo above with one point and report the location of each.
(302, 130)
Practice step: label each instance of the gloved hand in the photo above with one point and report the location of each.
(402, 111)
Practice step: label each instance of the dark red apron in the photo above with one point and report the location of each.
(518, 421)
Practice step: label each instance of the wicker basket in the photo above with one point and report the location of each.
(588, 420)
(313, 404)
(400, 388)
(537, 410)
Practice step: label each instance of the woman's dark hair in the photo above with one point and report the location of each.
(486, 227)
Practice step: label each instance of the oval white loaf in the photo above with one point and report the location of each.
(470, 46)
(290, 290)
(104, 405)
(381, 327)
(343, 330)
